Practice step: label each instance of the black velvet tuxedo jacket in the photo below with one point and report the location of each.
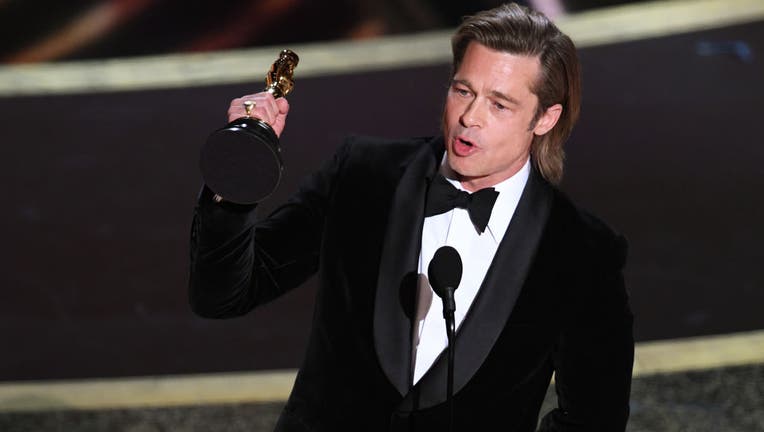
(553, 300)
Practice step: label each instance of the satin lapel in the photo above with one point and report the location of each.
(398, 267)
(495, 300)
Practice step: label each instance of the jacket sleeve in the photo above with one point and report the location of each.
(238, 262)
(594, 355)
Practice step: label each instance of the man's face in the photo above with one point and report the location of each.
(488, 114)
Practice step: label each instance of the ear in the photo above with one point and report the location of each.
(548, 119)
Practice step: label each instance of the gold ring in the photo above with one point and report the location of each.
(248, 105)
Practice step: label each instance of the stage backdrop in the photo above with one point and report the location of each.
(98, 193)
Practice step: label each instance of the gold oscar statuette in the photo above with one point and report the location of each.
(241, 162)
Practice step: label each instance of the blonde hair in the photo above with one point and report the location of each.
(519, 30)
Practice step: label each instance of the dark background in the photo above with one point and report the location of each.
(88, 29)
(99, 189)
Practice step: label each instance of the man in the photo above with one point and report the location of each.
(542, 290)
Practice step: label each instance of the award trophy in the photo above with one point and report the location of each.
(241, 162)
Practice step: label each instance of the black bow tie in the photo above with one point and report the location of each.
(442, 196)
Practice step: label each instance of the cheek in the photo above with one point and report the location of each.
(448, 109)
(449, 122)
(508, 145)
(452, 109)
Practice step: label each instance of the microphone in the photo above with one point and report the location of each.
(445, 273)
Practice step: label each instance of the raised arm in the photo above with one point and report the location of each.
(239, 260)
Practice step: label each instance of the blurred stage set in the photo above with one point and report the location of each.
(106, 104)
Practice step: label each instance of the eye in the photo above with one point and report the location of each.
(461, 91)
(499, 106)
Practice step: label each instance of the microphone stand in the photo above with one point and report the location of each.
(445, 272)
(449, 306)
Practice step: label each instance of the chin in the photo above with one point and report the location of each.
(458, 170)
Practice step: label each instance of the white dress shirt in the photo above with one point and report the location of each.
(454, 228)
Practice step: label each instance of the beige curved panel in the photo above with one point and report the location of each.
(596, 27)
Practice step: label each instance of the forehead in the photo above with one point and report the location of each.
(496, 70)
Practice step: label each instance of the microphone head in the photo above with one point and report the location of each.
(445, 270)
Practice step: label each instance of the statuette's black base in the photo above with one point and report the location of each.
(241, 162)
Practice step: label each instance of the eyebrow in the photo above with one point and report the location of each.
(495, 93)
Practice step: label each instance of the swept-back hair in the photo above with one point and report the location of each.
(521, 31)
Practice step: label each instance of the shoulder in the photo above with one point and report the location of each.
(589, 235)
(591, 256)
(377, 149)
(368, 156)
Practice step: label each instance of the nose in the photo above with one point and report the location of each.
(471, 117)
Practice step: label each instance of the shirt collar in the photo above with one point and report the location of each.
(510, 191)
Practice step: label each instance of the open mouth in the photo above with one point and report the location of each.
(463, 146)
(465, 142)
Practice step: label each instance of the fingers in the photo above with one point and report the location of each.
(266, 108)
(280, 122)
(263, 108)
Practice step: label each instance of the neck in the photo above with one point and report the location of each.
(473, 184)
